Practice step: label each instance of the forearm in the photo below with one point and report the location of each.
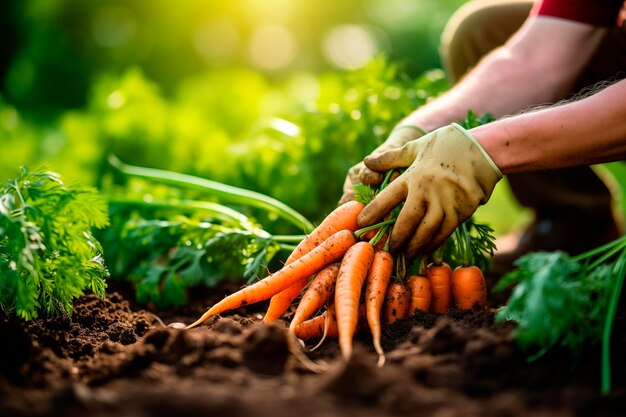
(493, 87)
(538, 65)
(583, 132)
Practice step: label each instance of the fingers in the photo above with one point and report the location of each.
(410, 216)
(348, 184)
(371, 178)
(383, 203)
(449, 222)
(393, 158)
(429, 225)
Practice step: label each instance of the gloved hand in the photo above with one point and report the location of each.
(359, 173)
(448, 176)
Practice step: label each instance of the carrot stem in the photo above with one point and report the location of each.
(619, 272)
(364, 230)
(227, 192)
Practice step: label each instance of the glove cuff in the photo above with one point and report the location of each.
(480, 148)
(419, 129)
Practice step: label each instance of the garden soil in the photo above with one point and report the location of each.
(114, 358)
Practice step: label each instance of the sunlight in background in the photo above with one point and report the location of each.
(350, 46)
(272, 47)
(217, 40)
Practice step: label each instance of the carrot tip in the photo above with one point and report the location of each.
(381, 360)
(201, 320)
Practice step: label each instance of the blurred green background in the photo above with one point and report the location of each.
(278, 96)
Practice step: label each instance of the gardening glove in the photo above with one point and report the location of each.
(448, 176)
(359, 173)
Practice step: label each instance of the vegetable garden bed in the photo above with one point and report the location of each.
(111, 357)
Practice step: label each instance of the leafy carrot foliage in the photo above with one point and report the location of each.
(48, 255)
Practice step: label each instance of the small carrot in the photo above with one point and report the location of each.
(329, 251)
(440, 276)
(352, 273)
(375, 290)
(397, 302)
(318, 326)
(421, 293)
(319, 292)
(325, 325)
(342, 218)
(469, 288)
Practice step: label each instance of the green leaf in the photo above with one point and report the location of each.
(48, 256)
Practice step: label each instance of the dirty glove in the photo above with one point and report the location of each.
(359, 173)
(448, 176)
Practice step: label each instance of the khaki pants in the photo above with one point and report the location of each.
(480, 26)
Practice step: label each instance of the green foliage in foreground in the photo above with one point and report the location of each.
(566, 301)
(48, 256)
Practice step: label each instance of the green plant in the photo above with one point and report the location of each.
(48, 255)
(165, 246)
(566, 301)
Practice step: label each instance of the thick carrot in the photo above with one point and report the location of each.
(421, 293)
(352, 273)
(469, 288)
(342, 218)
(319, 292)
(375, 290)
(329, 251)
(440, 276)
(397, 302)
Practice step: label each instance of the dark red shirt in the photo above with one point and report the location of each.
(593, 12)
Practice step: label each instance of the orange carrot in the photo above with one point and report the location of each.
(280, 302)
(319, 292)
(314, 327)
(397, 302)
(440, 276)
(421, 293)
(352, 273)
(342, 218)
(329, 251)
(375, 290)
(469, 288)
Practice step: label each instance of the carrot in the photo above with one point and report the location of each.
(342, 218)
(421, 293)
(316, 326)
(324, 325)
(319, 292)
(440, 276)
(469, 288)
(329, 251)
(352, 273)
(280, 302)
(397, 302)
(375, 290)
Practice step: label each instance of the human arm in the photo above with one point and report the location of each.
(587, 131)
(538, 65)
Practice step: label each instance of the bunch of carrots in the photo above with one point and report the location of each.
(347, 279)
